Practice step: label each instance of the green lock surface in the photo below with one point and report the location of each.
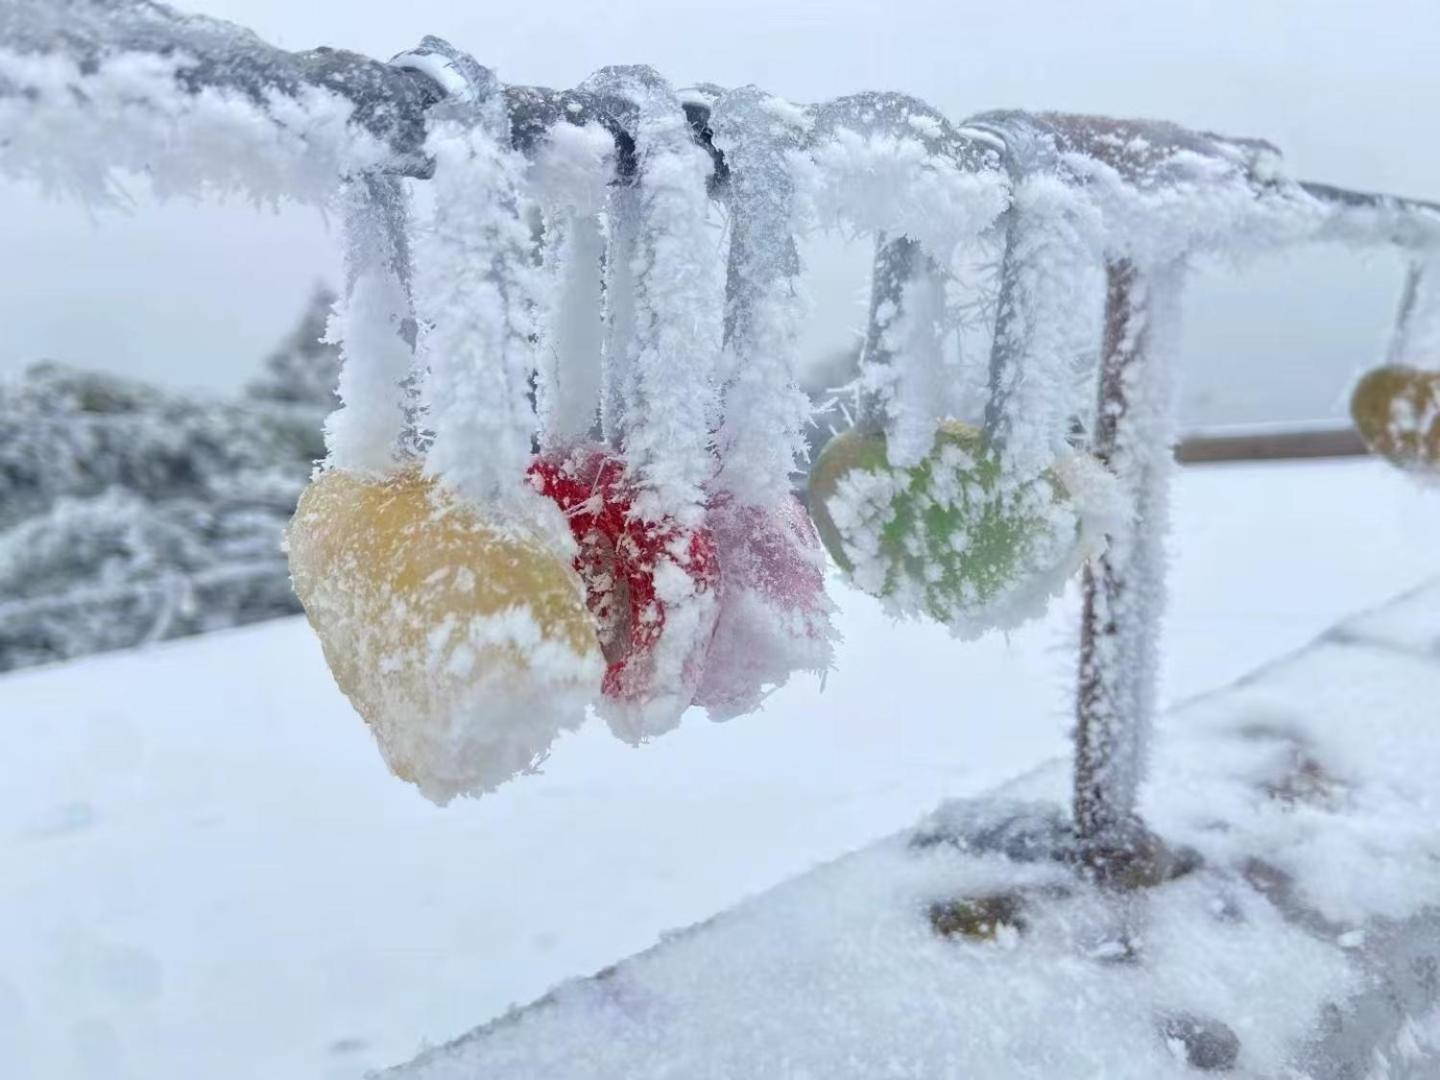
(962, 553)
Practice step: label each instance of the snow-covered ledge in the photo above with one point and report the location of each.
(1306, 945)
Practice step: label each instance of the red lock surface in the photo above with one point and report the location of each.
(651, 586)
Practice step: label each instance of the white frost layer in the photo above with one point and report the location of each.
(659, 683)
(1063, 533)
(476, 298)
(761, 438)
(504, 722)
(838, 974)
(137, 118)
(671, 336)
(369, 325)
(878, 183)
(1052, 295)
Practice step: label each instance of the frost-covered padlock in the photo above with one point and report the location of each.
(774, 616)
(651, 586)
(439, 584)
(946, 537)
(935, 516)
(774, 612)
(1396, 407)
(464, 641)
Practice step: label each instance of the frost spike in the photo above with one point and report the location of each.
(374, 325)
(889, 163)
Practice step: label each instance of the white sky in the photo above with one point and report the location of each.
(194, 295)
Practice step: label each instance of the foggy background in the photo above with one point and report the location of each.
(193, 295)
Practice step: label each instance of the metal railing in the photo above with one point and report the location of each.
(1048, 189)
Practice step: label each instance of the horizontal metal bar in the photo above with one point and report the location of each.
(390, 101)
(1275, 445)
(1340, 196)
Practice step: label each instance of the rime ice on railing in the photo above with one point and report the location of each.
(564, 455)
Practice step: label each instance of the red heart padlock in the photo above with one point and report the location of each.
(652, 588)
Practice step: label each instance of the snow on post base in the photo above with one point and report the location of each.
(1305, 945)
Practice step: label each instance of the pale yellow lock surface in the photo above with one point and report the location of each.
(465, 645)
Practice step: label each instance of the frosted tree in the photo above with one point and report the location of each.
(304, 368)
(130, 513)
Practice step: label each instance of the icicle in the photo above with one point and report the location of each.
(374, 325)
(571, 175)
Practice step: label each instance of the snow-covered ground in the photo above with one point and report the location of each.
(1304, 945)
(206, 871)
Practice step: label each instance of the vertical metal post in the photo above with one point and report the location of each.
(1122, 592)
